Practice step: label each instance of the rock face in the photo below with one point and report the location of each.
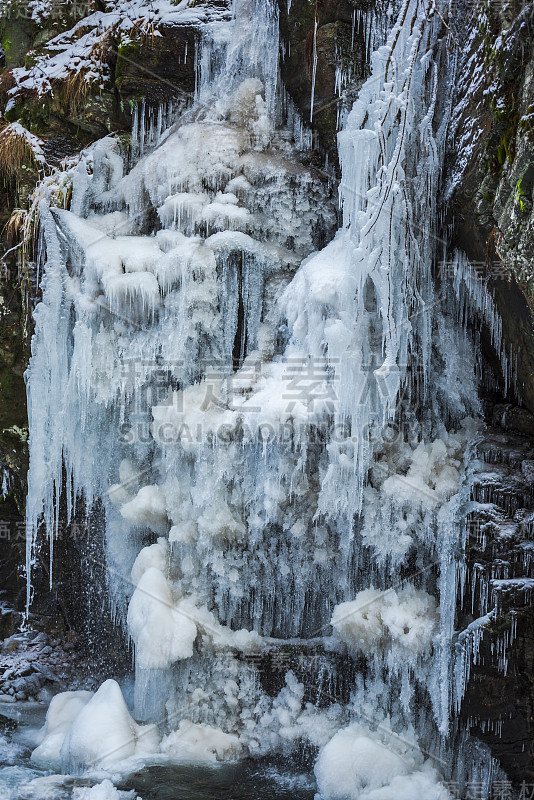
(499, 703)
(490, 179)
(322, 61)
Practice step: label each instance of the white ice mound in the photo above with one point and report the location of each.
(102, 791)
(357, 764)
(375, 619)
(201, 743)
(163, 633)
(147, 508)
(62, 711)
(104, 733)
(155, 555)
(165, 625)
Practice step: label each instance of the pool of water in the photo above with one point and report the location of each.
(242, 781)
(246, 780)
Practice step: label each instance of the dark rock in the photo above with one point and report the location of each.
(19, 685)
(491, 172)
(514, 418)
(499, 701)
(157, 69)
(336, 49)
(33, 684)
(46, 673)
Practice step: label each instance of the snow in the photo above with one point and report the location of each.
(102, 791)
(76, 52)
(34, 143)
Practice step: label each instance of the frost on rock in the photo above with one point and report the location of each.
(80, 52)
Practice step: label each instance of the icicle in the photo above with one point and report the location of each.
(142, 129)
(135, 130)
(314, 70)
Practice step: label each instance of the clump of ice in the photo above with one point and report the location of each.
(62, 711)
(358, 764)
(147, 508)
(201, 744)
(155, 555)
(164, 624)
(433, 474)
(104, 733)
(162, 631)
(375, 619)
(410, 485)
(102, 791)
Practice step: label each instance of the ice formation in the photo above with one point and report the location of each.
(85, 730)
(103, 732)
(201, 743)
(377, 619)
(271, 417)
(357, 764)
(102, 791)
(62, 711)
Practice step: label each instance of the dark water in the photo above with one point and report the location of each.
(250, 780)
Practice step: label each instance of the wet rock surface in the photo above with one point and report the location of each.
(490, 172)
(318, 62)
(499, 703)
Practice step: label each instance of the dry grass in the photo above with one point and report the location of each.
(75, 88)
(15, 153)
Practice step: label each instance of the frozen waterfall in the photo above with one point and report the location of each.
(272, 415)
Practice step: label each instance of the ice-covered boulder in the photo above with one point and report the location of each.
(357, 764)
(104, 732)
(62, 711)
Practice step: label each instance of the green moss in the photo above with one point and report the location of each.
(523, 189)
(14, 113)
(500, 145)
(33, 114)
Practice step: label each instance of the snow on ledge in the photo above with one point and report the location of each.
(77, 52)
